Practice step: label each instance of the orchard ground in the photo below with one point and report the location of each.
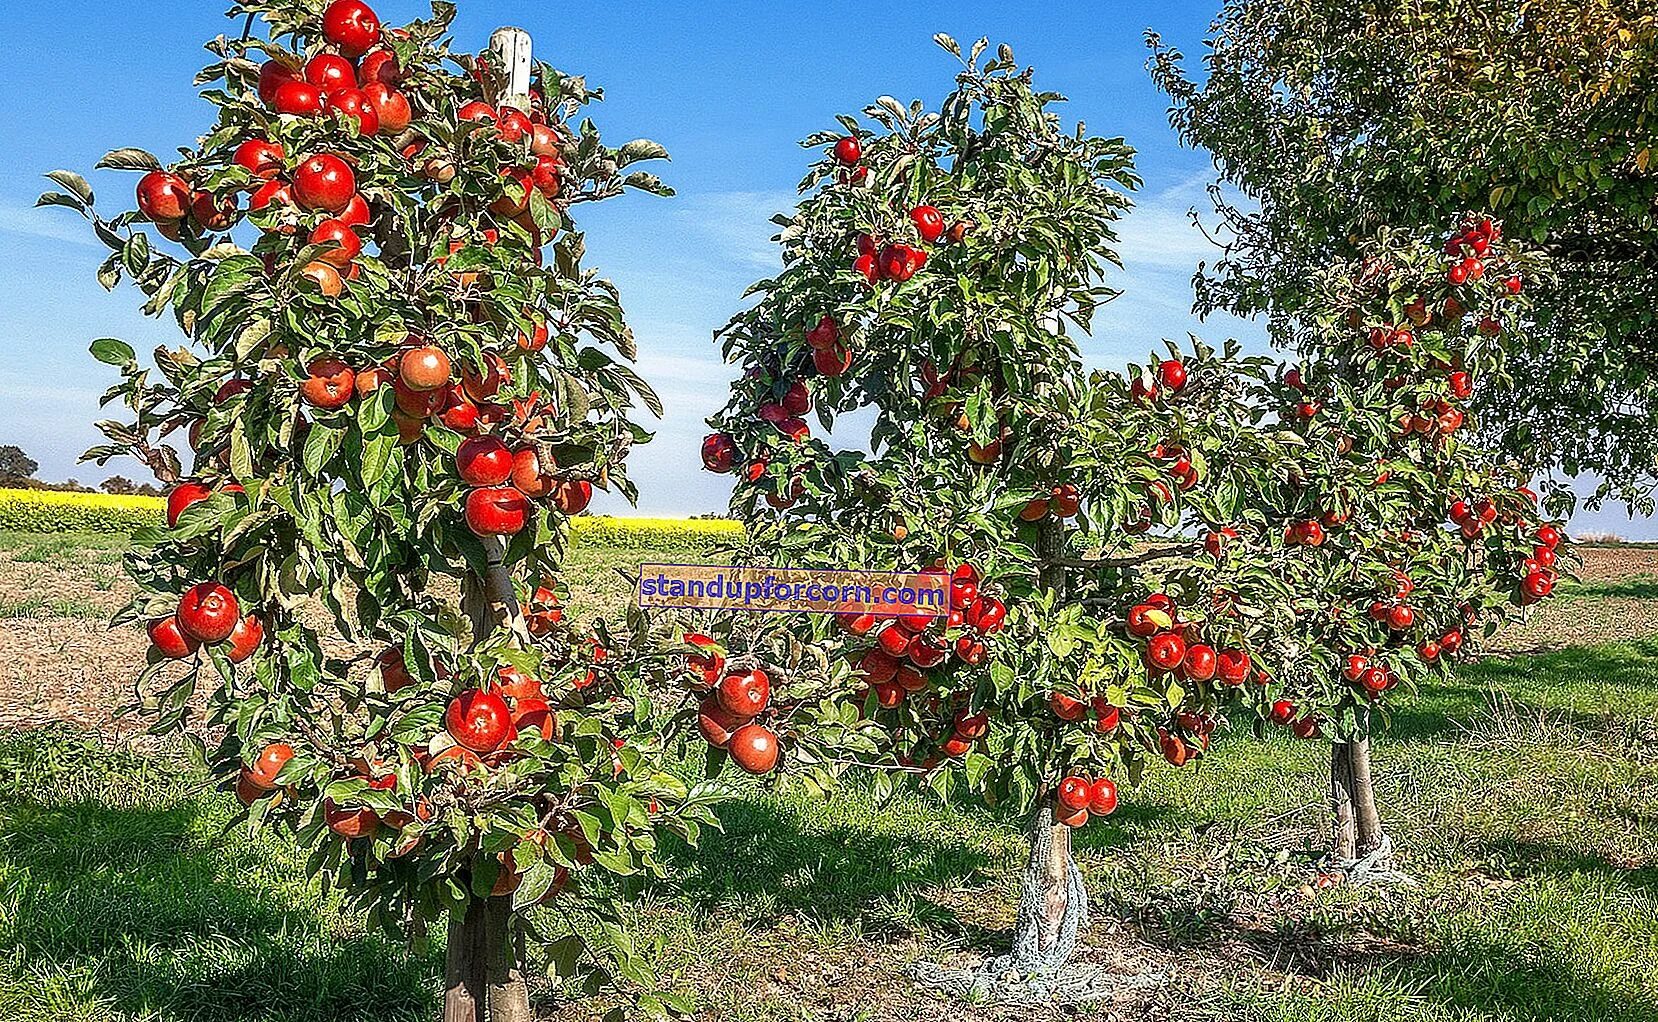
(1523, 797)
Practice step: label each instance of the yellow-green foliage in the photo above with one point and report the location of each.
(54, 511)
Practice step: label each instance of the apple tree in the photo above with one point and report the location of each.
(1332, 121)
(936, 277)
(398, 383)
(1406, 537)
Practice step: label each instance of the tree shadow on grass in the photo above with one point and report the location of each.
(834, 872)
(1643, 587)
(1529, 678)
(1525, 978)
(125, 900)
(1550, 859)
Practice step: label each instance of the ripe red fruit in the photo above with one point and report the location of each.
(1400, 617)
(394, 672)
(530, 476)
(1376, 679)
(1102, 797)
(878, 667)
(324, 181)
(163, 197)
(1306, 727)
(1066, 707)
(533, 713)
(1199, 663)
(298, 97)
(894, 641)
(972, 725)
(797, 400)
(390, 106)
(1537, 584)
(1233, 666)
(1166, 650)
(1139, 622)
(1173, 374)
(1106, 716)
(544, 142)
(336, 232)
(263, 771)
(754, 748)
(330, 384)
(424, 368)
(272, 75)
(349, 823)
(330, 72)
(719, 452)
(208, 612)
(262, 159)
(512, 125)
(379, 66)
(183, 496)
(245, 639)
(573, 496)
(356, 212)
(744, 693)
(1174, 749)
(478, 720)
(277, 193)
(1073, 792)
(928, 222)
(715, 724)
(483, 461)
(496, 511)
(900, 262)
(354, 103)
(1282, 711)
(352, 26)
(826, 333)
(832, 360)
(171, 640)
(1450, 642)
(848, 150)
(1457, 274)
(1548, 535)
(924, 653)
(1428, 650)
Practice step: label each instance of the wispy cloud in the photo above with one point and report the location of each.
(737, 224)
(52, 223)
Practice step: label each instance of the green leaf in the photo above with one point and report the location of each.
(640, 149)
(111, 351)
(128, 159)
(74, 182)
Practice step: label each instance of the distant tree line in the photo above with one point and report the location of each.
(17, 470)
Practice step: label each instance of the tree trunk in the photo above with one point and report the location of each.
(481, 976)
(482, 980)
(1053, 905)
(1356, 828)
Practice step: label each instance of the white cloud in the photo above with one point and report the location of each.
(53, 223)
(738, 224)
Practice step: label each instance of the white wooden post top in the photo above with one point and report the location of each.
(511, 48)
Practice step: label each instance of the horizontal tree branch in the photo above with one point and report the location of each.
(1129, 561)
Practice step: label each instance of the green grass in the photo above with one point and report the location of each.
(54, 547)
(1523, 797)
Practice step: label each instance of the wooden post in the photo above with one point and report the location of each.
(511, 48)
(482, 978)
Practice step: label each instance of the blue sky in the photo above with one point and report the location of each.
(728, 90)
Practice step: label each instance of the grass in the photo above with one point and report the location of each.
(1522, 795)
